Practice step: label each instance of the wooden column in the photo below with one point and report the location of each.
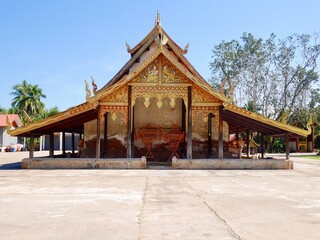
(63, 143)
(220, 133)
(210, 116)
(237, 139)
(312, 138)
(287, 146)
(262, 145)
(72, 143)
(31, 146)
(189, 137)
(51, 147)
(248, 143)
(105, 136)
(297, 144)
(130, 125)
(184, 128)
(98, 134)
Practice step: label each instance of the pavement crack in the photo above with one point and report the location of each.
(221, 219)
(141, 210)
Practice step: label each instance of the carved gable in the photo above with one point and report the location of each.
(201, 96)
(149, 75)
(170, 74)
(118, 96)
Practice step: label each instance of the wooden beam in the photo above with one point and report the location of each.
(189, 137)
(51, 143)
(31, 146)
(98, 134)
(105, 136)
(287, 146)
(220, 131)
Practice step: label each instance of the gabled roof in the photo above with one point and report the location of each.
(14, 119)
(170, 50)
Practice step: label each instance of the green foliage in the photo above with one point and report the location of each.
(27, 97)
(275, 77)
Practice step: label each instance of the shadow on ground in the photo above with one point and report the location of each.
(11, 166)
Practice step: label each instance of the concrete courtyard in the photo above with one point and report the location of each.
(159, 204)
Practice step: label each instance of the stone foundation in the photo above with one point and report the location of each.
(84, 163)
(254, 164)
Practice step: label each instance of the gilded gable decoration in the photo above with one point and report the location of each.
(200, 96)
(171, 75)
(118, 96)
(149, 75)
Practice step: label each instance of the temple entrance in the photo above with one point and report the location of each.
(159, 129)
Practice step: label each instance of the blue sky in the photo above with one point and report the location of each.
(58, 44)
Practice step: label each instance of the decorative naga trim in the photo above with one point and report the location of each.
(9, 124)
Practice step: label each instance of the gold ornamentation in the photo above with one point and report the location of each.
(146, 102)
(172, 102)
(120, 95)
(171, 75)
(160, 92)
(9, 124)
(114, 110)
(200, 96)
(204, 111)
(149, 75)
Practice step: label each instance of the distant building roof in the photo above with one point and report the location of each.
(14, 119)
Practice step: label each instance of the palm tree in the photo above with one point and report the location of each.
(28, 98)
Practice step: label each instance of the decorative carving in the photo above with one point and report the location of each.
(114, 110)
(88, 91)
(149, 75)
(172, 102)
(204, 111)
(9, 124)
(171, 75)
(120, 95)
(160, 92)
(146, 102)
(94, 85)
(200, 96)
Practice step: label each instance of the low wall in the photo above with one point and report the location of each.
(84, 163)
(231, 164)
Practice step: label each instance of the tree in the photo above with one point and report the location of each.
(27, 98)
(276, 76)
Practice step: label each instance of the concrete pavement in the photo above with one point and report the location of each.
(159, 204)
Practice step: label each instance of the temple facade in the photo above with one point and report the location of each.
(158, 107)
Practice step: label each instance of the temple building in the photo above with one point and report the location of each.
(158, 108)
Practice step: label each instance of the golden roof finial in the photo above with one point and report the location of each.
(158, 21)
